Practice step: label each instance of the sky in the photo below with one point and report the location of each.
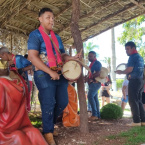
(104, 42)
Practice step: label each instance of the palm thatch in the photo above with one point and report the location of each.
(19, 17)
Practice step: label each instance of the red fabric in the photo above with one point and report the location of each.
(15, 126)
(29, 96)
(70, 116)
(91, 64)
(51, 58)
(135, 51)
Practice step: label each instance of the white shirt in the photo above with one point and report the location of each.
(125, 83)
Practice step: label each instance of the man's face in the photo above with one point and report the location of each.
(4, 56)
(91, 57)
(129, 50)
(47, 20)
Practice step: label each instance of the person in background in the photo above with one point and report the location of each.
(30, 79)
(143, 93)
(105, 90)
(125, 94)
(94, 85)
(134, 71)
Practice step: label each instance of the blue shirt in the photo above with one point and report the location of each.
(21, 62)
(137, 62)
(96, 66)
(36, 42)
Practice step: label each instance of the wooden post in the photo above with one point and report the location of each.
(80, 83)
(11, 42)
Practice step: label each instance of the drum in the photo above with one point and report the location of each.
(72, 70)
(121, 66)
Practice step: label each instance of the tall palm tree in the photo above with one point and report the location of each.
(113, 60)
(107, 60)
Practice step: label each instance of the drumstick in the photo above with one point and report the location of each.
(65, 71)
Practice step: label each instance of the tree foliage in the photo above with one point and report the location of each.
(89, 47)
(133, 31)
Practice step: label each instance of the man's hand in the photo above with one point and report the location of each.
(79, 55)
(118, 71)
(54, 75)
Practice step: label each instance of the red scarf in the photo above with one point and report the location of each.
(14, 62)
(91, 64)
(135, 51)
(52, 60)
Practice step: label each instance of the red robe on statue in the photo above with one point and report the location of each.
(15, 126)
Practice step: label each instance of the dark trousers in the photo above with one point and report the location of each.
(53, 97)
(135, 89)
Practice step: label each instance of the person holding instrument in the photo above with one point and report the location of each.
(134, 71)
(47, 54)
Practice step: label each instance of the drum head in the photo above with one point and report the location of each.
(121, 66)
(71, 70)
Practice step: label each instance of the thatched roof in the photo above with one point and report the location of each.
(97, 16)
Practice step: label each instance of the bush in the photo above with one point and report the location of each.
(111, 111)
(119, 83)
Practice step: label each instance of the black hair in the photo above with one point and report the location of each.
(93, 52)
(26, 56)
(131, 44)
(43, 10)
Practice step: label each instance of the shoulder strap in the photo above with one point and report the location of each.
(53, 42)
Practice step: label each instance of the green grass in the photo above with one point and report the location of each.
(36, 122)
(134, 136)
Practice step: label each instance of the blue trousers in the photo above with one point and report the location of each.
(53, 97)
(93, 98)
(135, 89)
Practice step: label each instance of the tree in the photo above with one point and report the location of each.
(107, 60)
(134, 31)
(76, 34)
(113, 60)
(89, 47)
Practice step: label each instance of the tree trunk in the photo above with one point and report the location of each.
(113, 60)
(80, 83)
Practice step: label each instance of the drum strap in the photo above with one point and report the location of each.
(52, 42)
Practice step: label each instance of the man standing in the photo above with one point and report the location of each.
(134, 71)
(46, 52)
(94, 86)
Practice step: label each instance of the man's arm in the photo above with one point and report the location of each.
(37, 62)
(126, 71)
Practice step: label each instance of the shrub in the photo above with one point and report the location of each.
(119, 83)
(111, 111)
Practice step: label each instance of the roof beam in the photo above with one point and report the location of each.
(95, 10)
(64, 10)
(128, 7)
(16, 28)
(15, 13)
(116, 24)
(138, 4)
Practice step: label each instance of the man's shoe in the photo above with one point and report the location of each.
(49, 138)
(142, 123)
(55, 133)
(134, 124)
(93, 118)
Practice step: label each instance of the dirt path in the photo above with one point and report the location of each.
(98, 132)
